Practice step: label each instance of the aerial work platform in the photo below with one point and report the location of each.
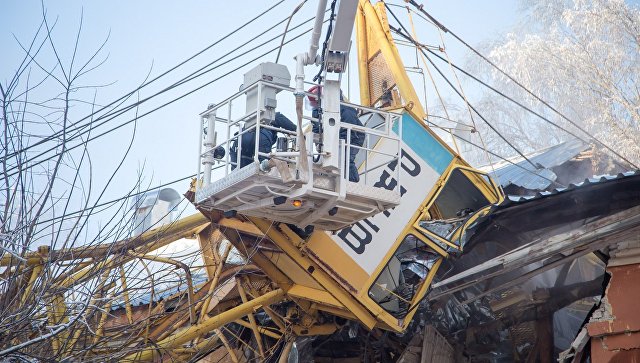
(326, 201)
(299, 180)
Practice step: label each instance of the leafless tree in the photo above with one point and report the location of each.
(579, 56)
(48, 197)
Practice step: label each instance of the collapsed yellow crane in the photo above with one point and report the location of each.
(349, 267)
(376, 246)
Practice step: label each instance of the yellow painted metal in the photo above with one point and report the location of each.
(252, 320)
(363, 57)
(241, 226)
(374, 39)
(144, 243)
(341, 291)
(208, 325)
(324, 329)
(102, 284)
(57, 314)
(380, 35)
(294, 272)
(324, 251)
(177, 318)
(262, 261)
(209, 242)
(204, 345)
(214, 281)
(103, 320)
(187, 273)
(125, 294)
(275, 317)
(225, 342)
(261, 329)
(341, 312)
(314, 295)
(32, 279)
(318, 274)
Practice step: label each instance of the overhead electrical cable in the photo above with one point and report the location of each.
(498, 156)
(163, 105)
(511, 78)
(57, 134)
(115, 113)
(422, 49)
(286, 28)
(111, 202)
(422, 57)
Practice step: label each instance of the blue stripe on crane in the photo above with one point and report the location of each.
(424, 144)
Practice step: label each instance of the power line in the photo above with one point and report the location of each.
(115, 200)
(446, 30)
(409, 38)
(126, 96)
(163, 105)
(496, 155)
(115, 113)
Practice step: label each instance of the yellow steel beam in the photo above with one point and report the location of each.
(261, 329)
(103, 320)
(252, 320)
(214, 283)
(93, 302)
(390, 53)
(314, 295)
(225, 342)
(342, 312)
(260, 260)
(270, 312)
(167, 325)
(208, 325)
(125, 294)
(148, 241)
(363, 56)
(209, 240)
(316, 272)
(34, 275)
(204, 345)
(239, 225)
(56, 311)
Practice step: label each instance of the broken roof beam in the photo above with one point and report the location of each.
(578, 242)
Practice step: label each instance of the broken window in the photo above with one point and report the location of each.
(458, 199)
(403, 276)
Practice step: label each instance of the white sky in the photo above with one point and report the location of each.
(163, 33)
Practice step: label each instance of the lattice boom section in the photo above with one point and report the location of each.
(380, 78)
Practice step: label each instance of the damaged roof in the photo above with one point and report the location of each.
(523, 174)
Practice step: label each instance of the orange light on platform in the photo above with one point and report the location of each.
(297, 203)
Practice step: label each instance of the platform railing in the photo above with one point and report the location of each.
(381, 148)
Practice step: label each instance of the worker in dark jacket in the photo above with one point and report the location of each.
(267, 139)
(348, 115)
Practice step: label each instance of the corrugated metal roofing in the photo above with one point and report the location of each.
(144, 299)
(525, 175)
(595, 180)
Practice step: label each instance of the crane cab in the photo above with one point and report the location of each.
(303, 177)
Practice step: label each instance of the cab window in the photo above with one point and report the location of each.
(402, 277)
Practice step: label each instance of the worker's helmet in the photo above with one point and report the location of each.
(313, 100)
(317, 90)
